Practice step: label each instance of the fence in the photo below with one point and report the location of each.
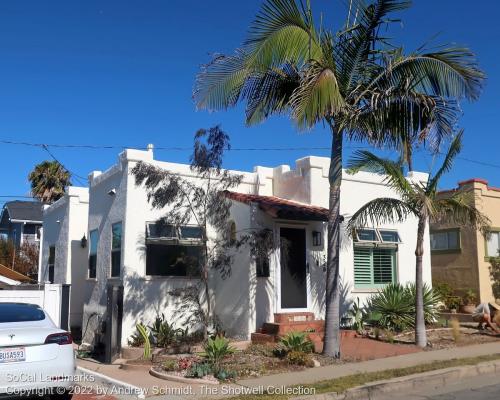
(53, 298)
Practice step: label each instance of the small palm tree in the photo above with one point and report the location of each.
(49, 181)
(354, 81)
(420, 200)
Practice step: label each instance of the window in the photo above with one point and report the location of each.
(94, 239)
(262, 266)
(116, 249)
(374, 266)
(493, 244)
(445, 240)
(366, 235)
(51, 263)
(377, 236)
(17, 312)
(173, 251)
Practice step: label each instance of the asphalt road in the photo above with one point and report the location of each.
(485, 387)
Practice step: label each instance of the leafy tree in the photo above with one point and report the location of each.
(420, 200)
(49, 181)
(355, 81)
(202, 200)
(23, 259)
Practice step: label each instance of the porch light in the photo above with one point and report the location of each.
(317, 238)
(83, 241)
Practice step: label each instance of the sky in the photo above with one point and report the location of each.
(121, 73)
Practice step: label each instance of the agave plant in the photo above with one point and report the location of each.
(143, 331)
(392, 308)
(296, 341)
(431, 300)
(216, 350)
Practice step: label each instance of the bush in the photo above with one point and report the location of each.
(170, 365)
(294, 341)
(393, 307)
(299, 358)
(162, 333)
(216, 350)
(200, 370)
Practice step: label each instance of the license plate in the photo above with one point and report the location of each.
(14, 354)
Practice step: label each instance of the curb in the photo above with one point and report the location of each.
(437, 379)
(115, 383)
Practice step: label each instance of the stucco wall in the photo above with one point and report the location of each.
(242, 301)
(468, 268)
(65, 223)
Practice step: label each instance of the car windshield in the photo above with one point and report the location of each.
(16, 312)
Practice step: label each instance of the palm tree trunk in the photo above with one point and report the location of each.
(420, 333)
(331, 345)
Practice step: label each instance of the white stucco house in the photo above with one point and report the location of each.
(125, 250)
(64, 253)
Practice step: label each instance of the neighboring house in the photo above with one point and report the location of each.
(460, 254)
(64, 250)
(127, 248)
(9, 277)
(21, 221)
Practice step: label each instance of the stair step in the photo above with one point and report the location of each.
(262, 338)
(293, 317)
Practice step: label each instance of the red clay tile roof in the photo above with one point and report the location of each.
(281, 208)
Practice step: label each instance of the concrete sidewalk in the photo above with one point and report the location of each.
(312, 375)
(143, 380)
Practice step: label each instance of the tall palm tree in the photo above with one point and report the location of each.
(49, 181)
(354, 81)
(420, 200)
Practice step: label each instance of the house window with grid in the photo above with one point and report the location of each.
(116, 249)
(375, 257)
(51, 263)
(93, 239)
(173, 250)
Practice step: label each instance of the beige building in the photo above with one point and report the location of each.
(459, 256)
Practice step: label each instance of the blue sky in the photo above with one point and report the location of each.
(122, 72)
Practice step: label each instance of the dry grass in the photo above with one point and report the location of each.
(340, 385)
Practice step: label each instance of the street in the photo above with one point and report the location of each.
(485, 387)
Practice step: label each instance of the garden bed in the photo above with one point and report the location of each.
(446, 338)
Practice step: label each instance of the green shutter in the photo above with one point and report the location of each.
(383, 266)
(374, 267)
(362, 266)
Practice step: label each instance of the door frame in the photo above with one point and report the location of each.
(277, 271)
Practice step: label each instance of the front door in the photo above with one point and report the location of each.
(293, 278)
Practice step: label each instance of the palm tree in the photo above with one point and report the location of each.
(420, 200)
(353, 81)
(49, 181)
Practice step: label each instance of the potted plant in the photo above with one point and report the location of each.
(468, 302)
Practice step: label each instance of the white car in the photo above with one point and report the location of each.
(36, 357)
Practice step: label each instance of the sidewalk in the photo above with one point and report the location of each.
(147, 382)
(336, 371)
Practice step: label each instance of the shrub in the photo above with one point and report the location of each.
(455, 329)
(136, 339)
(216, 350)
(393, 307)
(432, 298)
(163, 334)
(145, 336)
(299, 358)
(200, 370)
(170, 365)
(295, 341)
